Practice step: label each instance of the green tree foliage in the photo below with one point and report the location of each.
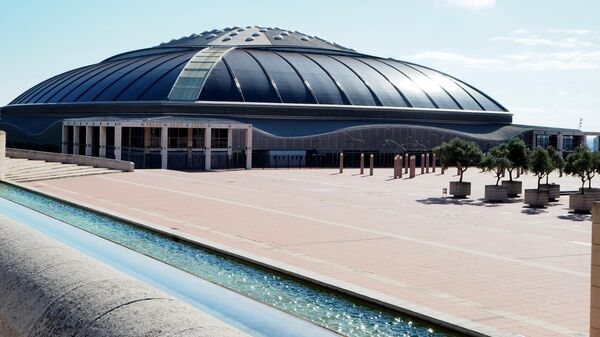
(539, 163)
(459, 152)
(584, 164)
(517, 155)
(496, 161)
(558, 163)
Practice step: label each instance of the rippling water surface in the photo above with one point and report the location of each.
(334, 311)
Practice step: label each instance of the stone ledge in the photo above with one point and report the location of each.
(48, 289)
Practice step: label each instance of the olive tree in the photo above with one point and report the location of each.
(558, 163)
(584, 164)
(459, 152)
(539, 163)
(517, 155)
(496, 161)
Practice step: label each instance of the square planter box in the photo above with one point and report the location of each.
(460, 190)
(515, 188)
(582, 203)
(553, 191)
(495, 193)
(536, 198)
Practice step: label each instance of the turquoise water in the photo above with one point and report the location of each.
(323, 307)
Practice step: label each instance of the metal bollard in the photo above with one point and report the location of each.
(362, 163)
(433, 162)
(371, 162)
(422, 163)
(427, 163)
(396, 166)
(399, 166)
(413, 162)
(406, 162)
(341, 162)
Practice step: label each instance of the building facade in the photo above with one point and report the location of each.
(261, 96)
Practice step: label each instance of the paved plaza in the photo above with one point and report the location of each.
(500, 268)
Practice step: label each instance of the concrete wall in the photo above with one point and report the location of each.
(2, 153)
(595, 288)
(71, 159)
(48, 289)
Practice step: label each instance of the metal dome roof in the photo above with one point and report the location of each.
(259, 64)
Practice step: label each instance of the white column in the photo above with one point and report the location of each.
(76, 139)
(118, 142)
(164, 147)
(102, 140)
(229, 142)
(249, 148)
(65, 139)
(88, 140)
(207, 148)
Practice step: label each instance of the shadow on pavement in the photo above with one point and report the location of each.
(576, 217)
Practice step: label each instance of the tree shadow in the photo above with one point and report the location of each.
(533, 210)
(450, 201)
(576, 217)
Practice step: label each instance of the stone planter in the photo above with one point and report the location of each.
(553, 191)
(495, 193)
(536, 198)
(460, 190)
(515, 188)
(582, 203)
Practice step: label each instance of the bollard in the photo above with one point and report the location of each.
(362, 163)
(413, 162)
(427, 163)
(396, 166)
(433, 162)
(399, 166)
(371, 160)
(341, 162)
(422, 163)
(406, 162)
(443, 169)
(595, 279)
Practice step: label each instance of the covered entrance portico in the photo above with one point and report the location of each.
(163, 142)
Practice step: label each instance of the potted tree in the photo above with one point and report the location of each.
(463, 154)
(558, 163)
(496, 161)
(584, 164)
(539, 163)
(517, 155)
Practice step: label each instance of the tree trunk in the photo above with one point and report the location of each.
(510, 174)
(539, 181)
(547, 175)
(498, 179)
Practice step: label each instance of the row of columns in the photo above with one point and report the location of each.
(164, 143)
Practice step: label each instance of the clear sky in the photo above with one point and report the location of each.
(539, 58)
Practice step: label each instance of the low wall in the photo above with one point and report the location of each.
(48, 289)
(71, 159)
(595, 287)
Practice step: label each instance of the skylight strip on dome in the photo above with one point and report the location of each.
(190, 81)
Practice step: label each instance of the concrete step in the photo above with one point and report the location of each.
(57, 169)
(64, 175)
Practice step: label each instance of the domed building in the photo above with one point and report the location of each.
(256, 96)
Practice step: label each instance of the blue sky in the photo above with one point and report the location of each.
(540, 59)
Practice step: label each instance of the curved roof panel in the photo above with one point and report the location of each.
(261, 64)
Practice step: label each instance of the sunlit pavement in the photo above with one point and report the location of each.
(499, 266)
